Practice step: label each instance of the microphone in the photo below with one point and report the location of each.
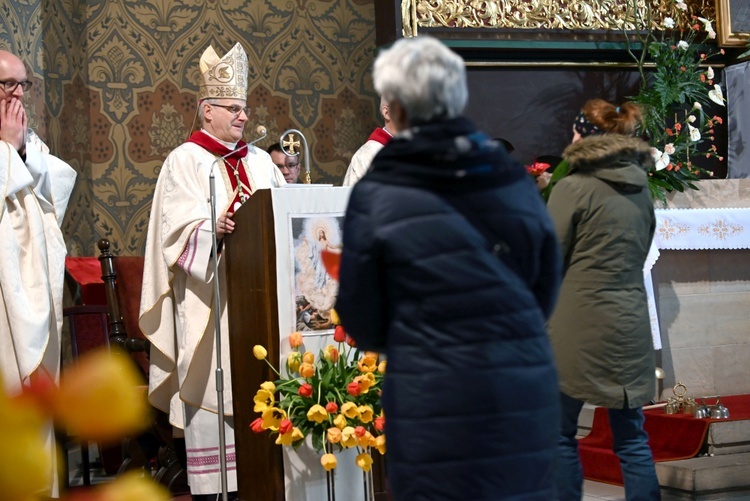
(260, 130)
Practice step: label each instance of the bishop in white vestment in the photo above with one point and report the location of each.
(177, 302)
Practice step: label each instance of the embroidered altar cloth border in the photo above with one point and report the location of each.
(693, 229)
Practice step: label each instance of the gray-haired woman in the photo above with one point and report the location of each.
(450, 265)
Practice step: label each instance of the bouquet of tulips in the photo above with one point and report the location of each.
(333, 397)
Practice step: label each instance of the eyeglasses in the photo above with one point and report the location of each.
(235, 109)
(288, 166)
(10, 86)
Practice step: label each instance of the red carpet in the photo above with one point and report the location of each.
(671, 436)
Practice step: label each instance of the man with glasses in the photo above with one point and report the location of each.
(176, 306)
(288, 165)
(36, 187)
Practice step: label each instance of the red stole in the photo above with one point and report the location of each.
(380, 135)
(231, 162)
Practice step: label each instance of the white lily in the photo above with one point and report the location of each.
(682, 44)
(697, 105)
(716, 95)
(691, 119)
(660, 159)
(708, 27)
(710, 73)
(695, 134)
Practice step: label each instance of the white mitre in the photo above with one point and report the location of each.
(224, 77)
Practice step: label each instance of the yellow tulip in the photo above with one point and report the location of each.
(335, 320)
(263, 399)
(259, 352)
(102, 397)
(284, 438)
(269, 386)
(348, 437)
(291, 436)
(368, 363)
(365, 413)
(317, 413)
(380, 444)
(364, 461)
(339, 421)
(381, 366)
(349, 409)
(293, 361)
(132, 486)
(272, 418)
(25, 461)
(328, 461)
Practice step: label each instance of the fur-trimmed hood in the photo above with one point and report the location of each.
(614, 158)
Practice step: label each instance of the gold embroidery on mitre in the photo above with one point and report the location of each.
(224, 77)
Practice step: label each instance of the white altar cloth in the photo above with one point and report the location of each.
(693, 229)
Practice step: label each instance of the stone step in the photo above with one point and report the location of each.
(728, 437)
(706, 478)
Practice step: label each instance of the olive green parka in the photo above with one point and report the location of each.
(604, 218)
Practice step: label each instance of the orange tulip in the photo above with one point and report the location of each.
(295, 340)
(307, 370)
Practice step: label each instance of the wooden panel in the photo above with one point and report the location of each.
(253, 319)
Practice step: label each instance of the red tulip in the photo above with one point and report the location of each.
(305, 390)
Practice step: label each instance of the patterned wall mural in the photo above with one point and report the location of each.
(115, 86)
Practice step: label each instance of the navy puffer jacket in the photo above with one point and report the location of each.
(451, 267)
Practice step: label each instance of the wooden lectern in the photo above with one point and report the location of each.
(253, 319)
(254, 266)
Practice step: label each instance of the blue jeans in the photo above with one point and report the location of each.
(630, 446)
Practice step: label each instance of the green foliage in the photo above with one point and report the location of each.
(676, 85)
(673, 98)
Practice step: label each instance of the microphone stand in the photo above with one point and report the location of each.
(217, 318)
(217, 327)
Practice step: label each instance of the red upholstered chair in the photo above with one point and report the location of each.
(88, 325)
(123, 278)
(110, 289)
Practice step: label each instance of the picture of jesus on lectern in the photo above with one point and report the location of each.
(314, 289)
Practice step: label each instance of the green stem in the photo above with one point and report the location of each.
(272, 367)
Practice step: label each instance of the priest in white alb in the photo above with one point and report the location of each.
(36, 187)
(177, 313)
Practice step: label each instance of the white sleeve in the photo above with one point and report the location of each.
(53, 179)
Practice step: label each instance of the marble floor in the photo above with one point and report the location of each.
(596, 491)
